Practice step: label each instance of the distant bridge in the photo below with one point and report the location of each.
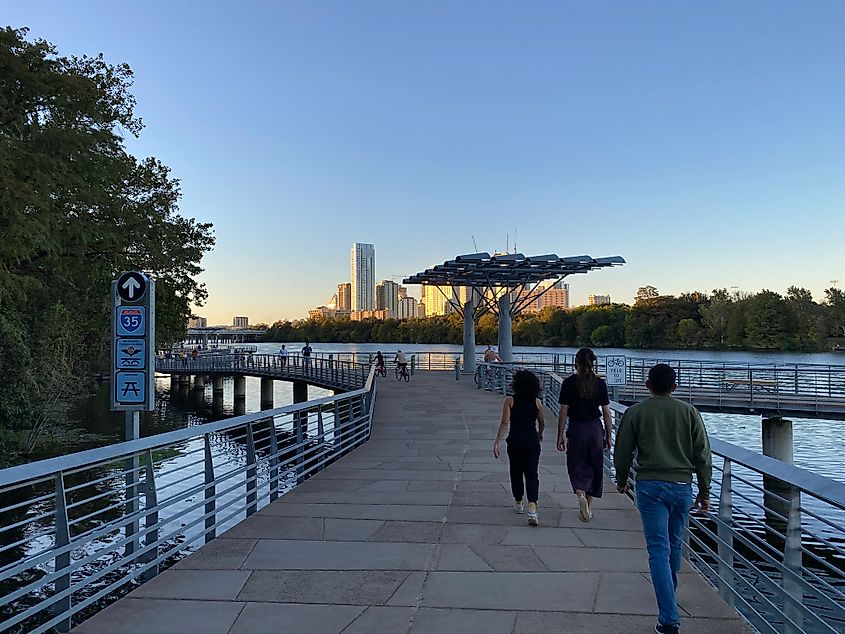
(214, 336)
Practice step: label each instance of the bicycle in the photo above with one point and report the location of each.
(401, 372)
(381, 371)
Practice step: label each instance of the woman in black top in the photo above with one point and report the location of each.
(584, 401)
(524, 412)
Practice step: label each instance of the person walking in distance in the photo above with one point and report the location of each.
(283, 356)
(306, 354)
(584, 402)
(522, 418)
(671, 443)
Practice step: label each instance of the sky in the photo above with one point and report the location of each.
(703, 142)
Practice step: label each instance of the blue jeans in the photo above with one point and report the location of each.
(664, 507)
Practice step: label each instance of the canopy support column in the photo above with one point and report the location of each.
(469, 333)
(505, 328)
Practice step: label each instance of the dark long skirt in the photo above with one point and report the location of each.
(585, 456)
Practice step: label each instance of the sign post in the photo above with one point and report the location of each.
(132, 371)
(616, 367)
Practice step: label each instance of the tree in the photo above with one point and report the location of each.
(716, 314)
(770, 325)
(646, 292)
(835, 301)
(77, 210)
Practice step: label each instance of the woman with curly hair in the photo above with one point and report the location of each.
(584, 402)
(523, 413)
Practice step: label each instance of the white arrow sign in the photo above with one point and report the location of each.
(131, 285)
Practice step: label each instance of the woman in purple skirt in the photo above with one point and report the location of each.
(584, 402)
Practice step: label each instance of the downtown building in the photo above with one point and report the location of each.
(387, 298)
(598, 300)
(362, 273)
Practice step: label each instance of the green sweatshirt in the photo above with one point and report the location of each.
(670, 440)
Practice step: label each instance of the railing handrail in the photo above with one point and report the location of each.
(51, 466)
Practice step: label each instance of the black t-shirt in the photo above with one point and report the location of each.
(583, 409)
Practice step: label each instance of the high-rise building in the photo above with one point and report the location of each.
(344, 297)
(362, 271)
(403, 292)
(598, 300)
(387, 298)
(241, 322)
(408, 308)
(198, 322)
(436, 300)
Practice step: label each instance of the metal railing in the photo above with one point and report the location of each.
(318, 370)
(774, 543)
(81, 529)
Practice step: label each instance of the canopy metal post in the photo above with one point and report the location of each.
(505, 329)
(469, 333)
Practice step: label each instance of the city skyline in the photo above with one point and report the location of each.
(703, 143)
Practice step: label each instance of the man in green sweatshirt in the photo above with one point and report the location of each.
(671, 442)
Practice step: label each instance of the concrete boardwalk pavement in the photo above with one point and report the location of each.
(414, 532)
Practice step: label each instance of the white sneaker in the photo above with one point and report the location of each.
(584, 513)
(519, 507)
(533, 520)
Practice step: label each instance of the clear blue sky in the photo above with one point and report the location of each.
(704, 142)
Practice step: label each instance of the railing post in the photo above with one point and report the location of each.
(251, 480)
(725, 534)
(793, 560)
(274, 461)
(151, 516)
(210, 492)
(413, 364)
(62, 561)
(300, 452)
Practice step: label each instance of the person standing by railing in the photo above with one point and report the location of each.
(306, 355)
(584, 402)
(283, 356)
(522, 415)
(671, 442)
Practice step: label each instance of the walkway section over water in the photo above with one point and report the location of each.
(413, 531)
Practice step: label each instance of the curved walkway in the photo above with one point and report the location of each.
(413, 532)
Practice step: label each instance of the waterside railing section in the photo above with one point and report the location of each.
(319, 370)
(800, 389)
(774, 543)
(81, 529)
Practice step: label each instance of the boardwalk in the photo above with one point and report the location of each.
(413, 532)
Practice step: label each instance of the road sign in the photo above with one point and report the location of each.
(130, 388)
(617, 370)
(132, 286)
(131, 354)
(133, 346)
(131, 321)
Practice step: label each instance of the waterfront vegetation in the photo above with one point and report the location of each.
(77, 210)
(719, 320)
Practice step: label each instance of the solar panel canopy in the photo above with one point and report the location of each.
(508, 270)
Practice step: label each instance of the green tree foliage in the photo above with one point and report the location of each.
(764, 321)
(77, 209)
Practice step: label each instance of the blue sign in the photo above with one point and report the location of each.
(130, 388)
(130, 321)
(131, 354)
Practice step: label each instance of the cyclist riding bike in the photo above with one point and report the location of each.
(401, 361)
(380, 369)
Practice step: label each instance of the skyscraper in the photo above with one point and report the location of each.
(362, 272)
(387, 298)
(344, 297)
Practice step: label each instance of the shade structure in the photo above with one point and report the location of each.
(498, 275)
(482, 270)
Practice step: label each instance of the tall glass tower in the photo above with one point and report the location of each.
(362, 272)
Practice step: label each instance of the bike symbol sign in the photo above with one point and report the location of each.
(130, 321)
(617, 366)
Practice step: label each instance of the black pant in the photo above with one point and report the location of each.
(524, 456)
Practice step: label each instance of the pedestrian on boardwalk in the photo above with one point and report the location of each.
(306, 354)
(584, 402)
(194, 354)
(283, 355)
(671, 442)
(522, 418)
